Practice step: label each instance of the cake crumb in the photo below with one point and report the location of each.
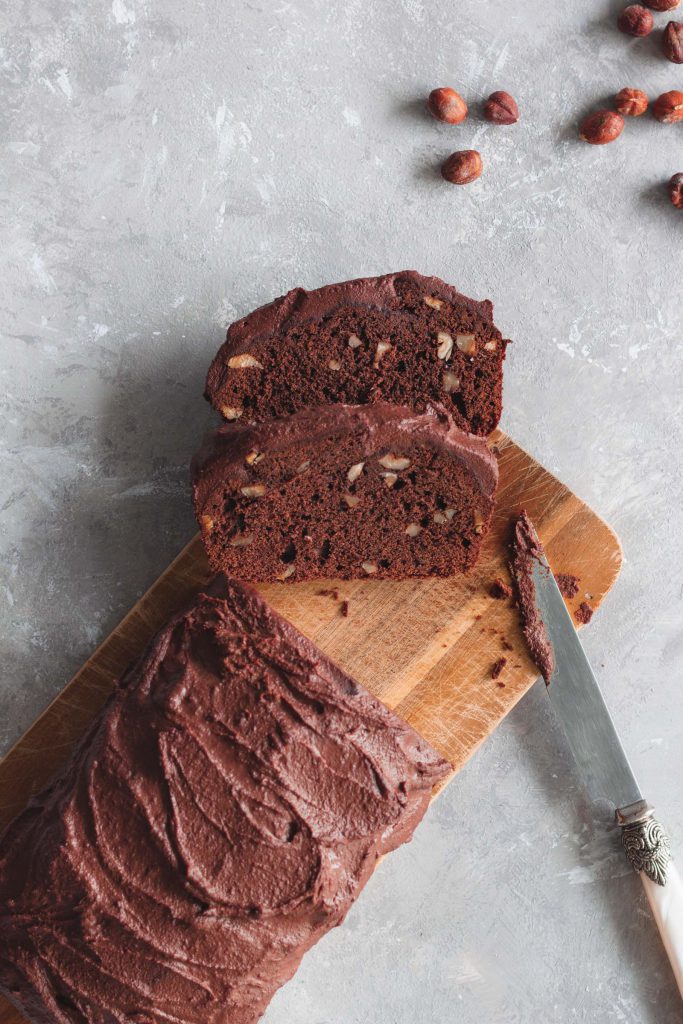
(501, 684)
(498, 667)
(334, 593)
(506, 645)
(345, 609)
(477, 618)
(584, 613)
(500, 590)
(568, 584)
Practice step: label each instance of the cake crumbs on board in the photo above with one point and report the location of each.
(584, 613)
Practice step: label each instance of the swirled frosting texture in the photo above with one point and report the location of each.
(220, 816)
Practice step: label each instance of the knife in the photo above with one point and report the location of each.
(574, 693)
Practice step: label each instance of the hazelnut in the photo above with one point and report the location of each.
(635, 20)
(253, 490)
(355, 472)
(631, 102)
(431, 300)
(462, 167)
(206, 522)
(389, 478)
(354, 341)
(676, 191)
(369, 568)
(478, 521)
(447, 105)
(450, 382)
(303, 467)
(289, 571)
(352, 500)
(467, 343)
(445, 345)
(230, 412)
(244, 361)
(672, 42)
(412, 529)
(501, 108)
(253, 458)
(601, 127)
(668, 108)
(242, 540)
(334, 364)
(662, 5)
(382, 348)
(394, 462)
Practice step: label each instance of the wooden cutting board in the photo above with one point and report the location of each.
(425, 648)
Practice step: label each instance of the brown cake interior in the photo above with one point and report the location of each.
(414, 348)
(334, 509)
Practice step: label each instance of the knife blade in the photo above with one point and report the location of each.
(575, 694)
(576, 697)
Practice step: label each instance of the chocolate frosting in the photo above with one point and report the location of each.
(299, 306)
(526, 547)
(381, 425)
(221, 814)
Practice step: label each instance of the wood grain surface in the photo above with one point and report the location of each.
(425, 648)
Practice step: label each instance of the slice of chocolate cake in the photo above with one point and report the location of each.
(221, 815)
(344, 492)
(403, 338)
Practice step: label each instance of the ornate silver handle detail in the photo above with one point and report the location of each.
(645, 842)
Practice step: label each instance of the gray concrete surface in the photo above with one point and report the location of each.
(166, 167)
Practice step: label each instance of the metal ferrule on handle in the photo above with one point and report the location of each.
(645, 842)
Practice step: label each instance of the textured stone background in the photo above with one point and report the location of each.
(167, 166)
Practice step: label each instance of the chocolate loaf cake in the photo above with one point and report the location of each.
(220, 816)
(402, 338)
(344, 492)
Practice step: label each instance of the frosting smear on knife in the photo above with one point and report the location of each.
(525, 548)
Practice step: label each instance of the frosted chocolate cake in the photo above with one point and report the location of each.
(344, 492)
(401, 338)
(221, 815)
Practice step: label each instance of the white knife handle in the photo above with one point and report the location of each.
(666, 902)
(647, 847)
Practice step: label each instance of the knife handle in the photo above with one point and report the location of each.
(666, 903)
(646, 846)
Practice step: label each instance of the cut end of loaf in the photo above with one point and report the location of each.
(345, 493)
